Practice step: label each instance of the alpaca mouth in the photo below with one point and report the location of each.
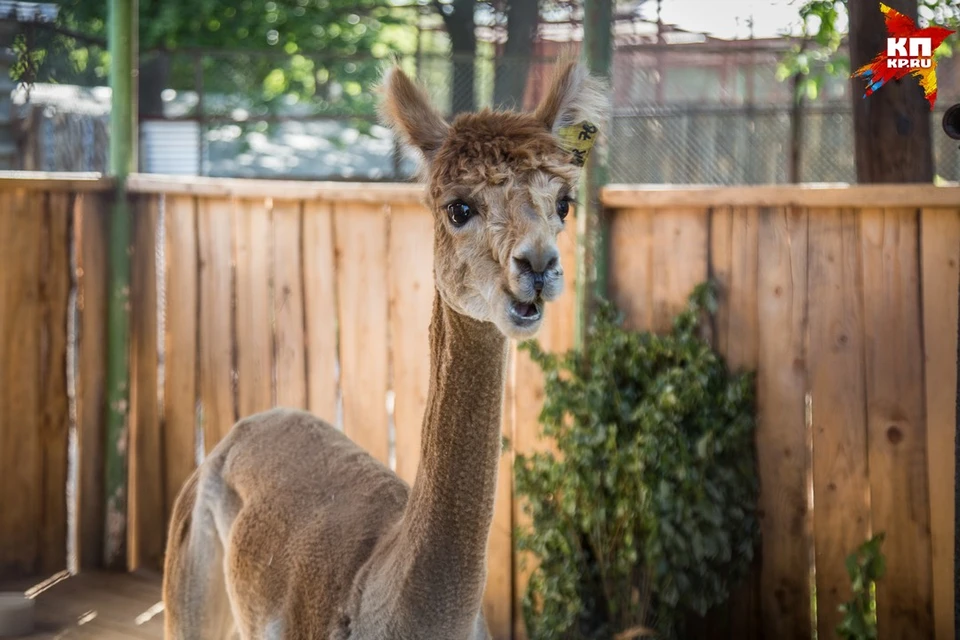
(525, 313)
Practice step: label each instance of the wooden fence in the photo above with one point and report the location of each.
(844, 300)
(249, 294)
(52, 337)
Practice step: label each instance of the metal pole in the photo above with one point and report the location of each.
(592, 225)
(121, 35)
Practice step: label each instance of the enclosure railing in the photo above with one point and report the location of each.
(249, 294)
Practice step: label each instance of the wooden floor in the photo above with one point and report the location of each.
(108, 606)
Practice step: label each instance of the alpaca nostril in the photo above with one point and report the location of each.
(552, 264)
(523, 265)
(537, 282)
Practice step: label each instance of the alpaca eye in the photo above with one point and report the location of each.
(459, 212)
(563, 207)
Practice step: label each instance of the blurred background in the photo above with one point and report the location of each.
(750, 93)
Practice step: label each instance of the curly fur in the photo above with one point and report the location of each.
(490, 148)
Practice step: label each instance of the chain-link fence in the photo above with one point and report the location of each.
(720, 114)
(746, 145)
(711, 113)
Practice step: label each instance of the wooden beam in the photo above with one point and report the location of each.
(53, 181)
(393, 193)
(620, 196)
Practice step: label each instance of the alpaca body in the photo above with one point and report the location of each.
(278, 523)
(288, 529)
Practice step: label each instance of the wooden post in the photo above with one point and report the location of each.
(122, 29)
(592, 224)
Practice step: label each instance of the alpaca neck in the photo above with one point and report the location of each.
(444, 531)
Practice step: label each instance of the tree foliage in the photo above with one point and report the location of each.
(343, 27)
(319, 53)
(647, 510)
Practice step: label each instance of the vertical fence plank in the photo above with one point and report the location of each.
(216, 332)
(528, 397)
(91, 234)
(320, 308)
(498, 597)
(941, 257)
(361, 241)
(557, 335)
(897, 433)
(21, 229)
(721, 272)
(54, 409)
(631, 266)
(180, 345)
(681, 232)
(716, 623)
(741, 346)
(781, 433)
(558, 325)
(670, 249)
(411, 303)
(288, 305)
(146, 507)
(733, 266)
(251, 227)
(835, 367)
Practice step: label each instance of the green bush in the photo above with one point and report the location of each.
(648, 509)
(865, 566)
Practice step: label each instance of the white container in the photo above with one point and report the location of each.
(170, 147)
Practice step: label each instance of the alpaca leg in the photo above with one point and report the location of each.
(194, 588)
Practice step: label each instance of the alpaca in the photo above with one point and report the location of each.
(288, 529)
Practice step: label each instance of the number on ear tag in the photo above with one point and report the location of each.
(578, 139)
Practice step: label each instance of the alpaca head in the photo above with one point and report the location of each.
(500, 185)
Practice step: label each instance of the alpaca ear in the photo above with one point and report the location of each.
(406, 108)
(574, 96)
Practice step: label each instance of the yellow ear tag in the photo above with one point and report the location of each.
(578, 139)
